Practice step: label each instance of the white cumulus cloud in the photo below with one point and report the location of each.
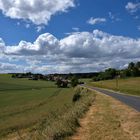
(44, 44)
(78, 52)
(94, 21)
(133, 7)
(37, 11)
(2, 45)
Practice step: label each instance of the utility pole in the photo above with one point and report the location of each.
(116, 82)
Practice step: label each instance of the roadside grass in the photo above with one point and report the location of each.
(129, 85)
(109, 119)
(106, 124)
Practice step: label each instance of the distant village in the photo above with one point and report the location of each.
(61, 80)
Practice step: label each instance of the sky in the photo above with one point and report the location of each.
(63, 36)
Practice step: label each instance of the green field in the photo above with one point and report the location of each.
(128, 85)
(24, 102)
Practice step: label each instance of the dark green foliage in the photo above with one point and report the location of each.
(131, 66)
(79, 91)
(137, 65)
(62, 83)
(74, 81)
(106, 75)
(125, 73)
(133, 70)
(58, 83)
(76, 97)
(96, 79)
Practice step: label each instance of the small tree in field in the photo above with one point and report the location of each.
(74, 81)
(62, 83)
(58, 83)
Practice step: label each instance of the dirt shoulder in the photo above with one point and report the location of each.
(109, 119)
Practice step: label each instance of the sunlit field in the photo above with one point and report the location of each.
(28, 104)
(128, 85)
(24, 102)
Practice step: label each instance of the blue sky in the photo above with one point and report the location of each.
(75, 18)
(65, 21)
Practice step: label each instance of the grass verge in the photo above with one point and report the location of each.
(109, 119)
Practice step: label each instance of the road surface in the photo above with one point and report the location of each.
(132, 101)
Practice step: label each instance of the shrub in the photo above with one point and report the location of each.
(77, 94)
(74, 81)
(76, 97)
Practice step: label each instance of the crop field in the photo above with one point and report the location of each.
(128, 85)
(36, 105)
(25, 102)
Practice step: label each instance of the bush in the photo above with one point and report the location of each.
(77, 95)
(74, 81)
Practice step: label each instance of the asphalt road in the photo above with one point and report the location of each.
(132, 101)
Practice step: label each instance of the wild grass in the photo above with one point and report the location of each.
(107, 121)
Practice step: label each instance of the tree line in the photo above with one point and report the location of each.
(133, 70)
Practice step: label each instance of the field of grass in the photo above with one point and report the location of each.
(128, 85)
(24, 102)
(27, 104)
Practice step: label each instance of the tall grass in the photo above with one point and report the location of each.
(63, 123)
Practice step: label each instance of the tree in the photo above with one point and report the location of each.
(131, 66)
(74, 81)
(135, 72)
(58, 83)
(62, 83)
(138, 65)
(111, 72)
(125, 73)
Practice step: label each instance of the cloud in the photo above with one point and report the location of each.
(37, 11)
(113, 17)
(44, 44)
(139, 28)
(76, 29)
(132, 7)
(99, 44)
(8, 68)
(27, 26)
(39, 28)
(2, 45)
(94, 21)
(78, 52)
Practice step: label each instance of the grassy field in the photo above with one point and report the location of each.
(24, 102)
(128, 85)
(32, 105)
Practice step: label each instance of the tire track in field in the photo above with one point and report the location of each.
(33, 107)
